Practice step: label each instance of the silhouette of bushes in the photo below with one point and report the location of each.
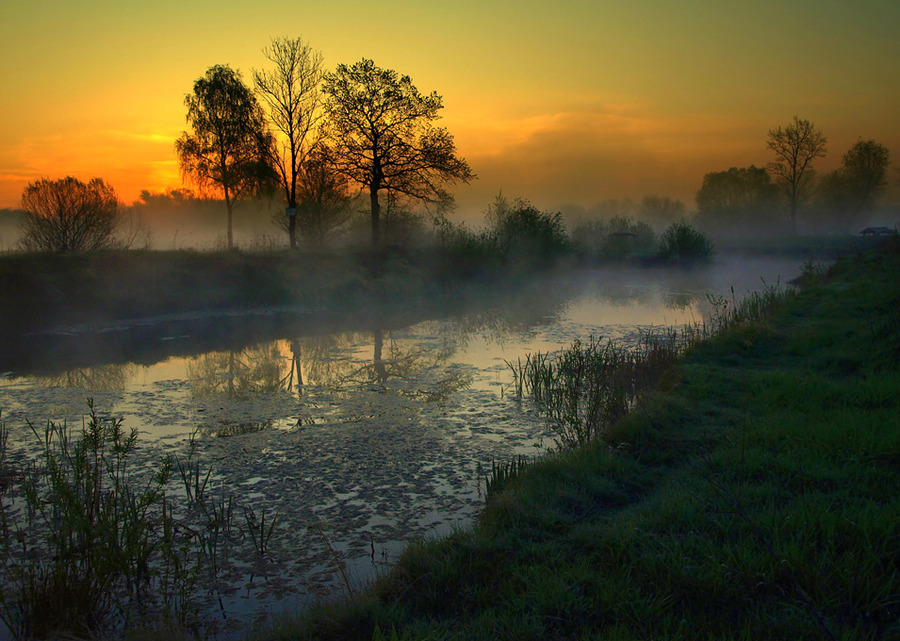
(67, 215)
(682, 243)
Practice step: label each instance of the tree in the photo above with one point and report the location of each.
(291, 94)
(865, 167)
(796, 146)
(324, 203)
(383, 138)
(67, 215)
(847, 194)
(230, 144)
(738, 200)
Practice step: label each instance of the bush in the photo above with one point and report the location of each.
(682, 243)
(67, 215)
(525, 233)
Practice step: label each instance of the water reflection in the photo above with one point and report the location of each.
(104, 378)
(369, 435)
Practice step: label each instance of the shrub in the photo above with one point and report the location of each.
(682, 243)
(524, 232)
(67, 215)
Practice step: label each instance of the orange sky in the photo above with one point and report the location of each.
(572, 101)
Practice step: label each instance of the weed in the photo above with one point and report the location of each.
(91, 546)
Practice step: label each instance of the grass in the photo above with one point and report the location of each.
(753, 497)
(91, 547)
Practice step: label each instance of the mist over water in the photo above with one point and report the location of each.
(360, 439)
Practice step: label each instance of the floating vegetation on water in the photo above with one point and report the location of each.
(226, 430)
(92, 546)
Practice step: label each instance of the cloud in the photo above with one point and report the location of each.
(604, 151)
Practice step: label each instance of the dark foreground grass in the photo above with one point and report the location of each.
(758, 498)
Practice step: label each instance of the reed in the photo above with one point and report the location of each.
(92, 547)
(585, 389)
(588, 387)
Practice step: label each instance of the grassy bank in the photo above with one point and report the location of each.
(753, 495)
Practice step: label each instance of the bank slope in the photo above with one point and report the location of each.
(757, 497)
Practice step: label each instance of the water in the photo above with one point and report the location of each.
(361, 439)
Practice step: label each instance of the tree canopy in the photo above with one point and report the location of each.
(847, 195)
(68, 215)
(229, 144)
(382, 136)
(796, 147)
(738, 200)
(290, 92)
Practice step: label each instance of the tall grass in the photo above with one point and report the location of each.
(587, 388)
(90, 546)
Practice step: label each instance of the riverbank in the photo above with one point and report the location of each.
(753, 496)
(50, 292)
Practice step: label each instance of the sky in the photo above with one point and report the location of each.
(564, 102)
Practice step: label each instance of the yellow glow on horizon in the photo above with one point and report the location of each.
(569, 101)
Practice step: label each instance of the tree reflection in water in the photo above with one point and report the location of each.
(104, 378)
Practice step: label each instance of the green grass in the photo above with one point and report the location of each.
(756, 497)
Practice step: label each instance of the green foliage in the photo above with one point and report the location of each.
(683, 244)
(754, 498)
(586, 389)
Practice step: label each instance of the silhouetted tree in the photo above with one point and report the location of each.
(291, 94)
(738, 200)
(69, 215)
(324, 203)
(381, 131)
(230, 145)
(849, 193)
(796, 146)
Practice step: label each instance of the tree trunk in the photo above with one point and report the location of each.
(292, 223)
(229, 206)
(376, 216)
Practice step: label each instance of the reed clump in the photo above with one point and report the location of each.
(587, 388)
(90, 546)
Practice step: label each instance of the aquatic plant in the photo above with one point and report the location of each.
(588, 387)
(90, 545)
(502, 472)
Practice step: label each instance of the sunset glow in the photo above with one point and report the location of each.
(563, 102)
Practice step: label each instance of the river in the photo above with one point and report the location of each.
(355, 441)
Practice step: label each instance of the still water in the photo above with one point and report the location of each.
(360, 439)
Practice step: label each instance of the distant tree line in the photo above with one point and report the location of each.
(772, 199)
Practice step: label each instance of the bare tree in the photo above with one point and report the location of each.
(230, 144)
(67, 215)
(291, 94)
(383, 138)
(796, 147)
